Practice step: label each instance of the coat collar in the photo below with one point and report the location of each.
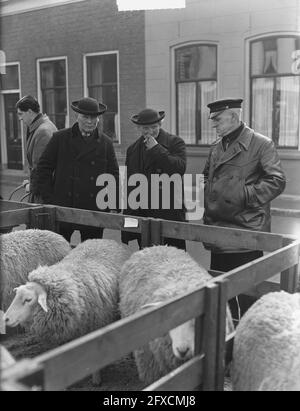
(36, 123)
(85, 148)
(243, 140)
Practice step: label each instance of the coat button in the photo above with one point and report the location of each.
(69, 194)
(93, 163)
(92, 178)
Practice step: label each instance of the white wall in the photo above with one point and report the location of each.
(229, 23)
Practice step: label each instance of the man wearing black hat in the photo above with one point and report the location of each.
(73, 160)
(242, 176)
(156, 153)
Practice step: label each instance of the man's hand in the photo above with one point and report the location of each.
(26, 185)
(150, 142)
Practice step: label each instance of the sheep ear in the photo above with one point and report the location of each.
(42, 300)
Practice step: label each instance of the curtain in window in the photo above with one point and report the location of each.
(208, 94)
(289, 88)
(187, 112)
(257, 58)
(95, 77)
(286, 46)
(262, 105)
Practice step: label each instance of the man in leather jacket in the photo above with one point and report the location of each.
(242, 176)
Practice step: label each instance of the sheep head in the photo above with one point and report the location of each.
(182, 337)
(26, 298)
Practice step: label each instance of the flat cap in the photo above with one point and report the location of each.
(220, 105)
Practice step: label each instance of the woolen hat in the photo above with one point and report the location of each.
(147, 117)
(221, 105)
(88, 106)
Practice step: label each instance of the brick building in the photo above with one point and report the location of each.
(174, 60)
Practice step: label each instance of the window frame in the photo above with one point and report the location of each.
(85, 84)
(272, 76)
(39, 85)
(2, 115)
(175, 84)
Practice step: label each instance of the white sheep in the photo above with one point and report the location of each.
(266, 354)
(21, 252)
(152, 276)
(73, 297)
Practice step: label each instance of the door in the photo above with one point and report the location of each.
(13, 132)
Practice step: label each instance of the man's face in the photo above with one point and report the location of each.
(150, 131)
(87, 123)
(25, 116)
(223, 123)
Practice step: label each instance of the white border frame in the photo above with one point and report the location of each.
(173, 48)
(247, 92)
(85, 89)
(2, 116)
(39, 91)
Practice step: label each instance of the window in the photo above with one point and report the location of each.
(102, 84)
(53, 89)
(196, 86)
(275, 89)
(10, 126)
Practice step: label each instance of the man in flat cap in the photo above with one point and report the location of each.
(156, 153)
(242, 176)
(71, 163)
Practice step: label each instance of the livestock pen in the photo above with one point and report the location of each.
(68, 364)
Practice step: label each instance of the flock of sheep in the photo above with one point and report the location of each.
(58, 294)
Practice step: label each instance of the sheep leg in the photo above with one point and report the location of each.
(96, 379)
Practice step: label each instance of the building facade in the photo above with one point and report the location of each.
(173, 60)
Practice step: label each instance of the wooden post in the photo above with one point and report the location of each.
(210, 335)
(50, 222)
(145, 233)
(221, 338)
(96, 379)
(289, 278)
(155, 227)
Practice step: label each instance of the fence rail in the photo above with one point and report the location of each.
(65, 365)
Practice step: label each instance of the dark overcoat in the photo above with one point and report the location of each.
(69, 168)
(167, 157)
(241, 182)
(39, 134)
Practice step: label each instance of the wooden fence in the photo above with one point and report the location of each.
(68, 364)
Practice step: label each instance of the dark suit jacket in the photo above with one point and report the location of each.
(69, 168)
(167, 157)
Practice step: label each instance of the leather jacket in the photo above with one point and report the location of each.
(241, 182)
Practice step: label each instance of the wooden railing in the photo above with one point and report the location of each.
(63, 366)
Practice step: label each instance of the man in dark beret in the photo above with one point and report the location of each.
(156, 153)
(71, 163)
(242, 176)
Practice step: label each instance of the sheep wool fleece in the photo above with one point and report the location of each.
(82, 291)
(266, 355)
(23, 251)
(157, 274)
